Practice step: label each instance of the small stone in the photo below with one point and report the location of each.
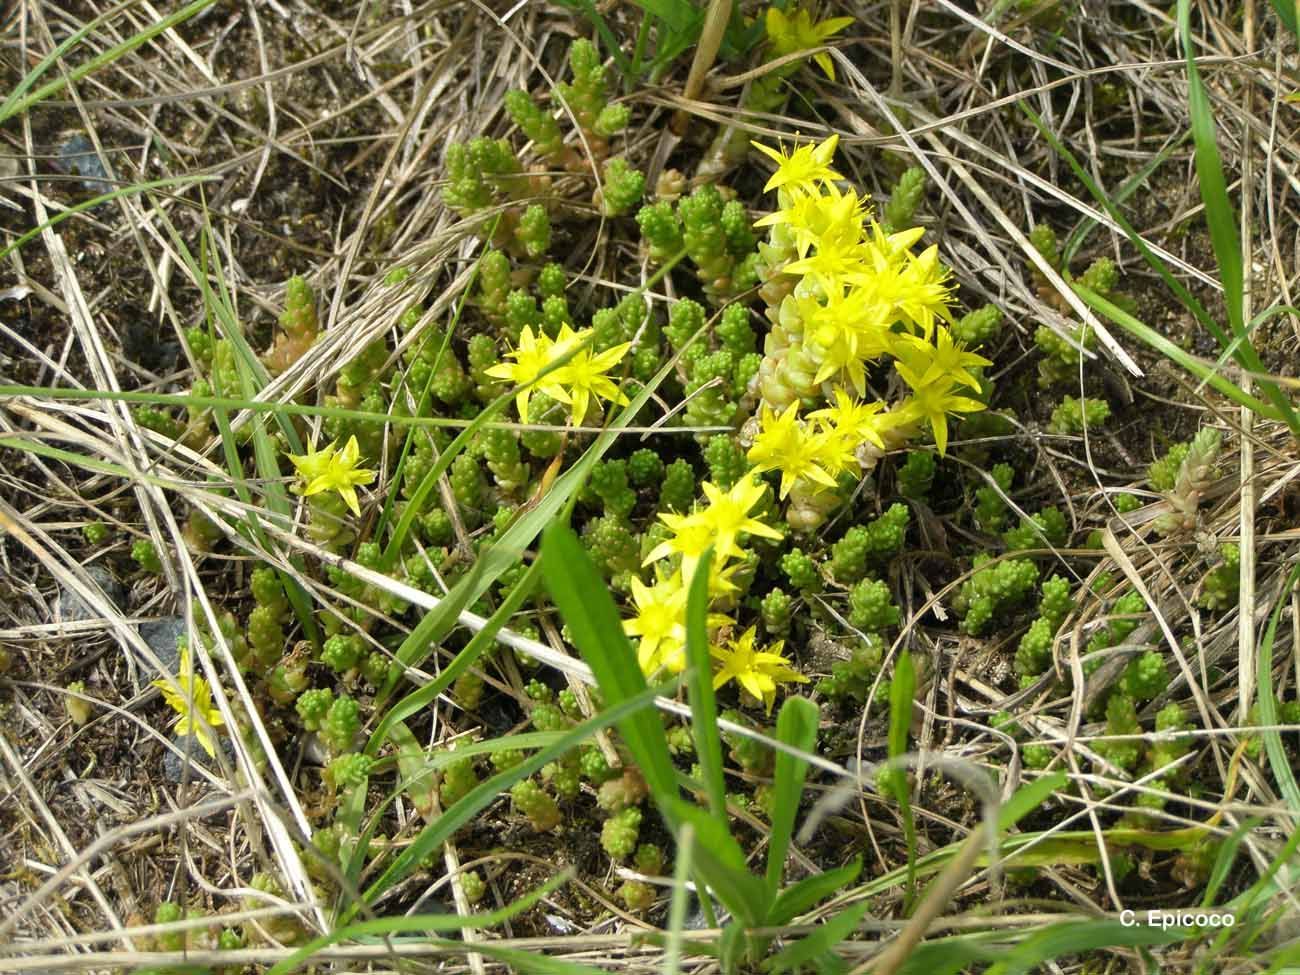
(161, 635)
(695, 919)
(174, 764)
(314, 751)
(560, 925)
(71, 608)
(77, 156)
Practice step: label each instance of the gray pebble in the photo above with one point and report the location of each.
(77, 155)
(695, 919)
(174, 764)
(71, 608)
(161, 635)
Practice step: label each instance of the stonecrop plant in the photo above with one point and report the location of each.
(844, 297)
(640, 474)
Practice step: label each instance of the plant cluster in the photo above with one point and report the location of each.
(819, 385)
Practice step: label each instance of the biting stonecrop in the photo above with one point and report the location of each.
(565, 368)
(191, 698)
(331, 469)
(845, 295)
(726, 519)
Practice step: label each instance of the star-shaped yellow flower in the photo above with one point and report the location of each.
(575, 383)
(805, 167)
(855, 422)
(921, 363)
(757, 671)
(692, 536)
(797, 32)
(727, 515)
(533, 354)
(585, 379)
(785, 444)
(330, 469)
(932, 403)
(821, 214)
(660, 623)
(191, 698)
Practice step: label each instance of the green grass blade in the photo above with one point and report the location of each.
(412, 777)
(424, 696)
(1288, 11)
(677, 903)
(422, 403)
(821, 941)
(719, 861)
(94, 201)
(699, 687)
(901, 692)
(417, 923)
(229, 403)
(1224, 859)
(580, 594)
(534, 963)
(415, 503)
(950, 956)
(1173, 352)
(252, 376)
(1130, 186)
(584, 602)
(681, 16)
(1187, 299)
(1081, 938)
(435, 624)
(1244, 352)
(1219, 215)
(588, 9)
(801, 896)
(18, 101)
(1221, 218)
(796, 726)
(1273, 747)
(18, 441)
(1028, 798)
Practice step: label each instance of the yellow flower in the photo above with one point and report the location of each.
(790, 34)
(575, 382)
(728, 515)
(932, 403)
(845, 333)
(692, 536)
(921, 363)
(785, 444)
(914, 286)
(660, 623)
(757, 671)
(533, 354)
(823, 213)
(191, 698)
(584, 375)
(833, 264)
(805, 167)
(330, 469)
(852, 422)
